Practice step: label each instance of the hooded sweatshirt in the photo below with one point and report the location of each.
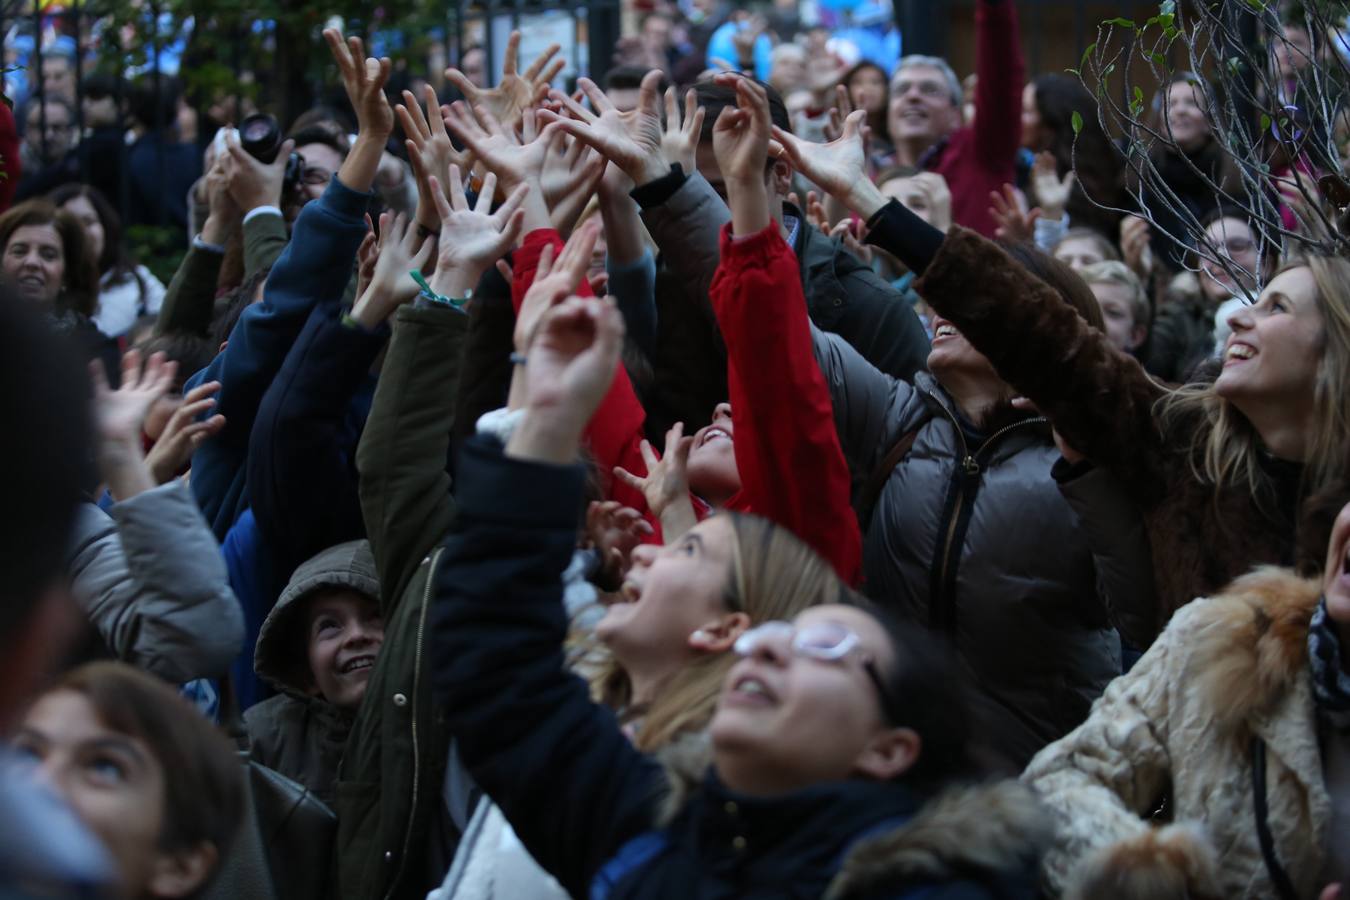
(297, 733)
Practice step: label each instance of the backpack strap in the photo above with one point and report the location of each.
(871, 491)
(1278, 877)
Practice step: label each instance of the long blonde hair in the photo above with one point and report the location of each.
(773, 575)
(1225, 449)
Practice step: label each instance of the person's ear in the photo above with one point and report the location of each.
(780, 178)
(889, 754)
(719, 635)
(182, 872)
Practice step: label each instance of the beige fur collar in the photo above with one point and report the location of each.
(1253, 643)
(996, 827)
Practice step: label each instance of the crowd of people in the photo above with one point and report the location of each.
(783, 469)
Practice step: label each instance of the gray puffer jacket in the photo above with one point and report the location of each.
(977, 542)
(150, 578)
(298, 734)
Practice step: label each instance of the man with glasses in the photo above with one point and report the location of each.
(925, 116)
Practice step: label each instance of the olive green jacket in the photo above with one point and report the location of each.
(389, 783)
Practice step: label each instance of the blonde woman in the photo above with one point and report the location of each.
(1217, 471)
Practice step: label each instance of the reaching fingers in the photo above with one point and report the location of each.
(508, 207)
(576, 254)
(599, 102)
(504, 269)
(649, 457)
(672, 111)
(628, 478)
(545, 263)
(412, 110)
(456, 186)
(509, 60)
(462, 83)
(673, 437)
(532, 73)
(573, 106)
(487, 191)
(131, 369)
(648, 93)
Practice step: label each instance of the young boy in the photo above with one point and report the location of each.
(318, 647)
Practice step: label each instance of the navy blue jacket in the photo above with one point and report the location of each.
(580, 797)
(302, 453)
(315, 267)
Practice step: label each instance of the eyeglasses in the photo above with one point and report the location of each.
(824, 642)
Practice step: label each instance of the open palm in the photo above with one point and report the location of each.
(514, 92)
(836, 167)
(473, 238)
(631, 140)
(513, 162)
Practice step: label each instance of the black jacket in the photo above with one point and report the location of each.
(587, 804)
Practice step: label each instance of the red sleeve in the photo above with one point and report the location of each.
(9, 157)
(614, 434)
(787, 450)
(1002, 76)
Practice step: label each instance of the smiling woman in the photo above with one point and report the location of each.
(44, 254)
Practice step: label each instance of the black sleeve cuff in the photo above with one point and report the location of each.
(895, 229)
(1064, 471)
(655, 193)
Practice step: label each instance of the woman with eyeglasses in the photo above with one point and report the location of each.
(832, 733)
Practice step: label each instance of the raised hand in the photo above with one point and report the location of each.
(569, 367)
(1016, 223)
(223, 213)
(472, 239)
(666, 484)
(839, 168)
(553, 281)
(514, 93)
(120, 414)
(400, 251)
(252, 183)
(514, 162)
(1052, 192)
(1136, 246)
(741, 135)
(364, 80)
(631, 140)
(680, 141)
(615, 530)
(852, 234)
(570, 177)
(430, 150)
(183, 433)
(366, 257)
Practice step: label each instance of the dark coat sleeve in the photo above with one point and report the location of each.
(316, 265)
(302, 452)
(571, 785)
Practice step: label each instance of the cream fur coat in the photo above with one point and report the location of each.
(1179, 726)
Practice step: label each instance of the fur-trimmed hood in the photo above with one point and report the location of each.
(993, 829)
(1253, 644)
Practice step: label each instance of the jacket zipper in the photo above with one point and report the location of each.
(417, 692)
(970, 468)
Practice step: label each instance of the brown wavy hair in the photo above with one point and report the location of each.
(79, 287)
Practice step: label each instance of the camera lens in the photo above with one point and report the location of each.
(260, 136)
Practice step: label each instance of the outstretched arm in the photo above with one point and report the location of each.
(779, 402)
(1098, 398)
(571, 785)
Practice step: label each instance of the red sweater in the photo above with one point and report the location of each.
(9, 157)
(787, 450)
(791, 465)
(980, 158)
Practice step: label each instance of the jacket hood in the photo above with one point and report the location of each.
(1254, 643)
(279, 656)
(994, 828)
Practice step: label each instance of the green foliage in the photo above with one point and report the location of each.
(1077, 122)
(158, 248)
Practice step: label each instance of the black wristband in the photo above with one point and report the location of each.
(655, 193)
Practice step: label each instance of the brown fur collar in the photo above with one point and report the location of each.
(991, 827)
(996, 827)
(1253, 643)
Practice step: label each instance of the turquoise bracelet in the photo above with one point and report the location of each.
(432, 297)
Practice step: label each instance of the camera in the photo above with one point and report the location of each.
(260, 137)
